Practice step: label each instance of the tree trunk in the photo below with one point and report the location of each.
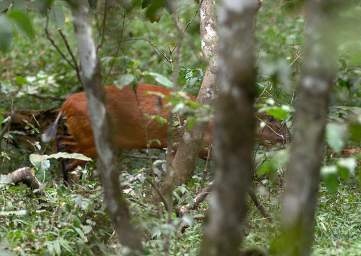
(303, 174)
(184, 161)
(101, 126)
(234, 127)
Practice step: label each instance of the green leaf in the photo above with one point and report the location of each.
(20, 80)
(23, 22)
(346, 166)
(153, 10)
(124, 80)
(1, 116)
(280, 113)
(40, 162)
(5, 33)
(329, 175)
(146, 3)
(161, 79)
(336, 136)
(276, 161)
(69, 156)
(355, 130)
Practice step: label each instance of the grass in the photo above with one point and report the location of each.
(72, 220)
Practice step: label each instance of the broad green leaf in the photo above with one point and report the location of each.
(280, 113)
(124, 80)
(336, 136)
(40, 162)
(153, 10)
(23, 22)
(355, 129)
(69, 156)
(20, 80)
(1, 115)
(347, 165)
(265, 168)
(5, 34)
(329, 175)
(161, 79)
(276, 161)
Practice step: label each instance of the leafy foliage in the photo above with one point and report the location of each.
(139, 45)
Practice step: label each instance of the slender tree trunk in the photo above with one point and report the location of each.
(101, 126)
(234, 127)
(184, 161)
(303, 174)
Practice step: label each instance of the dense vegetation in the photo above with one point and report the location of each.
(72, 220)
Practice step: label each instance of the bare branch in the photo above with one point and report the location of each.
(52, 42)
(75, 63)
(23, 175)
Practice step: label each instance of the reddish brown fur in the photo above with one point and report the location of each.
(128, 113)
(133, 130)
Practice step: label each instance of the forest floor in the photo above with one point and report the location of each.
(72, 221)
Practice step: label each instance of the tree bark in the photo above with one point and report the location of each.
(185, 158)
(303, 174)
(101, 126)
(235, 125)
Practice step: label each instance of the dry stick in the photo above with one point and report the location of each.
(205, 170)
(200, 197)
(76, 66)
(24, 175)
(6, 127)
(259, 206)
(162, 198)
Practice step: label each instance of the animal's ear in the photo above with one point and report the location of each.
(50, 132)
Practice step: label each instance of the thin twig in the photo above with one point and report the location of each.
(47, 97)
(52, 42)
(259, 206)
(180, 33)
(140, 156)
(102, 34)
(118, 47)
(162, 198)
(75, 63)
(199, 198)
(155, 48)
(6, 127)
